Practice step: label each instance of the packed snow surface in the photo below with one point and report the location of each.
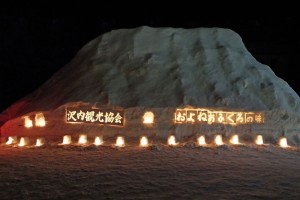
(157, 172)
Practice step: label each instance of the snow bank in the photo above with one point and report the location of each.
(162, 69)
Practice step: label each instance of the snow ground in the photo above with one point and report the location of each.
(157, 172)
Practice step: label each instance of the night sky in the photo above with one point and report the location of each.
(34, 44)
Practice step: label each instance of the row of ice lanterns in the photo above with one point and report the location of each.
(120, 141)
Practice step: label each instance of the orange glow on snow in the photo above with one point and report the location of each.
(67, 139)
(40, 120)
(144, 142)
(27, 122)
(283, 142)
(82, 139)
(98, 140)
(148, 118)
(259, 140)
(11, 140)
(23, 142)
(218, 140)
(201, 140)
(172, 140)
(120, 142)
(39, 142)
(234, 139)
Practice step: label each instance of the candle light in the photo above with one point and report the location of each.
(259, 140)
(144, 142)
(234, 139)
(201, 141)
(172, 140)
(218, 140)
(82, 139)
(67, 139)
(283, 142)
(120, 142)
(98, 140)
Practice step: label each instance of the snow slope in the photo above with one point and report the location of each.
(163, 67)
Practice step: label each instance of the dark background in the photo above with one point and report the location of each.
(37, 40)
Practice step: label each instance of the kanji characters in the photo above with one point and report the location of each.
(89, 116)
(81, 115)
(70, 116)
(99, 116)
(118, 118)
(105, 116)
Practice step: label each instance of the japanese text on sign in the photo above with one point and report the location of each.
(209, 117)
(99, 116)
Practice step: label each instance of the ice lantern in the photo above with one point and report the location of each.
(148, 118)
(40, 120)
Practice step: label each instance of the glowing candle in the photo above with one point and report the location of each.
(40, 120)
(201, 141)
(67, 139)
(23, 142)
(259, 140)
(27, 122)
(120, 142)
(98, 140)
(11, 140)
(234, 139)
(144, 142)
(39, 142)
(82, 139)
(172, 140)
(283, 142)
(218, 140)
(148, 118)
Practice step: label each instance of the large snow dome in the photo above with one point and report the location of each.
(160, 70)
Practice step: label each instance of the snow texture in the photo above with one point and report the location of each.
(166, 67)
(158, 172)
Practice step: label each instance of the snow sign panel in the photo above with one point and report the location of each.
(96, 116)
(222, 117)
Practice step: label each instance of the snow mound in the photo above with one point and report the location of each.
(164, 67)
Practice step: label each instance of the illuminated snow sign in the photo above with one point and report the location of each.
(221, 117)
(97, 116)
